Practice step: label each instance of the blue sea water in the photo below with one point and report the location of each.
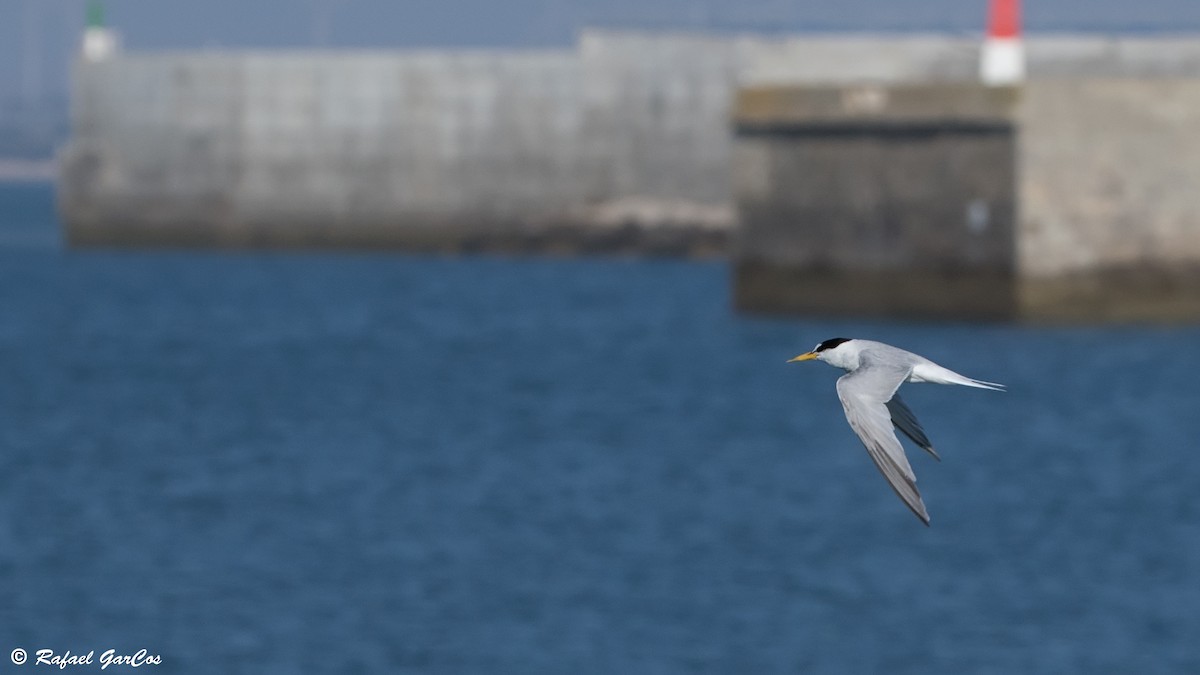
(282, 463)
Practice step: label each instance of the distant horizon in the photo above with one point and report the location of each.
(39, 37)
(31, 130)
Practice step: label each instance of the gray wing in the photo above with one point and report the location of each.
(864, 394)
(906, 422)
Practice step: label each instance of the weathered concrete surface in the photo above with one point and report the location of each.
(1108, 171)
(885, 200)
(1090, 215)
(873, 106)
(413, 150)
(433, 233)
(1110, 216)
(631, 131)
(1068, 200)
(1145, 293)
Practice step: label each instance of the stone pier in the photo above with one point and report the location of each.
(1062, 200)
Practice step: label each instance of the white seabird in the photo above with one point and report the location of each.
(868, 394)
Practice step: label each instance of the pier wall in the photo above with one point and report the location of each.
(889, 200)
(622, 143)
(1110, 219)
(1064, 199)
(613, 145)
(296, 148)
(626, 144)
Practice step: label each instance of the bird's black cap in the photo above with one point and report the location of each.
(830, 344)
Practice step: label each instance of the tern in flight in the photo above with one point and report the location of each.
(868, 393)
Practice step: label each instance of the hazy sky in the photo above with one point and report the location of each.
(37, 36)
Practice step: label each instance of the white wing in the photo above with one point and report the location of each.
(864, 394)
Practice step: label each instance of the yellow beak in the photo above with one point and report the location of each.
(808, 356)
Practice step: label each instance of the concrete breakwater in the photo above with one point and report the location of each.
(1062, 200)
(626, 133)
(1083, 205)
(587, 149)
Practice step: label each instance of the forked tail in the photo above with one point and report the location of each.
(931, 372)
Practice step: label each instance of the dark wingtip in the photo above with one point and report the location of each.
(922, 514)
